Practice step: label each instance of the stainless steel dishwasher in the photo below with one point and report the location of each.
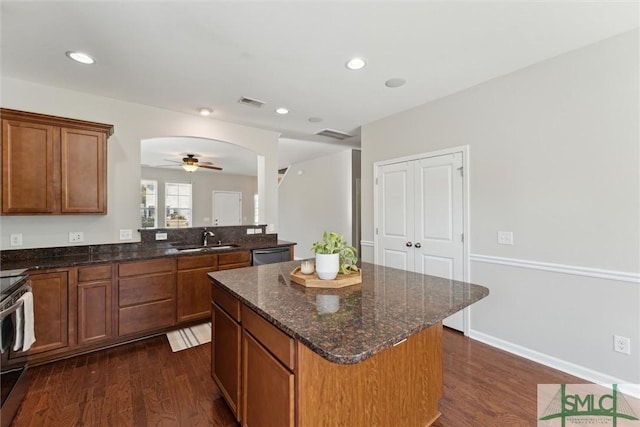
(270, 255)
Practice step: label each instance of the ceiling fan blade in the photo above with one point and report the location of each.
(172, 161)
(210, 167)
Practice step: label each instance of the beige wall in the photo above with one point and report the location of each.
(132, 123)
(315, 196)
(203, 183)
(554, 156)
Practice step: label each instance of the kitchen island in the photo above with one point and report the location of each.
(364, 355)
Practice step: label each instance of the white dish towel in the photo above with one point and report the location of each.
(25, 333)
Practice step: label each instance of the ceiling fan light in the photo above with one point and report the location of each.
(189, 167)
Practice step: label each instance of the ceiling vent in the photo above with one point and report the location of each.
(336, 134)
(251, 102)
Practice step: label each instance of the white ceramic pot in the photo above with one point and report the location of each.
(327, 266)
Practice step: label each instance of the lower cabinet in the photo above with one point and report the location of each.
(267, 387)
(193, 287)
(94, 304)
(225, 357)
(51, 321)
(146, 296)
(246, 347)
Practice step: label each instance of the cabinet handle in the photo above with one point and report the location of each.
(418, 245)
(409, 244)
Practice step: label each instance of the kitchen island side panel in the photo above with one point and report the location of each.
(401, 385)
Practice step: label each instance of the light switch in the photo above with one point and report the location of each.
(505, 237)
(126, 235)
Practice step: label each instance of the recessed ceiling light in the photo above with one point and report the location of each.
(315, 119)
(83, 58)
(282, 110)
(356, 63)
(205, 111)
(396, 82)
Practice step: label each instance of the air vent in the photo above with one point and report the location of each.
(251, 102)
(334, 134)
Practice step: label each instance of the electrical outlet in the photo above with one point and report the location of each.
(622, 344)
(257, 231)
(161, 236)
(250, 231)
(16, 239)
(76, 236)
(505, 238)
(126, 234)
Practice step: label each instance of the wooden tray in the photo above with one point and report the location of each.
(312, 280)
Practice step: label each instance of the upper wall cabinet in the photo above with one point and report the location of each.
(53, 165)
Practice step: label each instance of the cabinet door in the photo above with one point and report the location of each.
(50, 295)
(225, 357)
(267, 387)
(193, 294)
(83, 171)
(94, 312)
(28, 167)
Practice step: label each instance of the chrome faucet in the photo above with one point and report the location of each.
(205, 236)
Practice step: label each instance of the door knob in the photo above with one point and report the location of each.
(409, 244)
(418, 245)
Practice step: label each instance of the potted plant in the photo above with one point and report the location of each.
(333, 255)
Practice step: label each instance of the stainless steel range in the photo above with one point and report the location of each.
(13, 371)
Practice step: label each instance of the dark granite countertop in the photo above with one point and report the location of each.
(73, 256)
(387, 307)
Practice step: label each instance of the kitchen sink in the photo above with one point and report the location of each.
(204, 248)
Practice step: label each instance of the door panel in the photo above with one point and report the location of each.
(395, 259)
(227, 208)
(396, 222)
(421, 221)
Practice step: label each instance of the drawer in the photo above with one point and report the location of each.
(199, 261)
(138, 290)
(92, 274)
(227, 302)
(273, 339)
(146, 267)
(146, 317)
(237, 257)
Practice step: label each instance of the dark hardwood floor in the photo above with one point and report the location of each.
(145, 384)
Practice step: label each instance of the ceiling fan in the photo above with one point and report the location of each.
(191, 164)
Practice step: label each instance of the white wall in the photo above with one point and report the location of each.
(313, 197)
(554, 156)
(203, 183)
(132, 123)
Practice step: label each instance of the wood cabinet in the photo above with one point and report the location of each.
(94, 304)
(50, 313)
(267, 374)
(235, 259)
(252, 363)
(193, 287)
(146, 296)
(53, 165)
(225, 353)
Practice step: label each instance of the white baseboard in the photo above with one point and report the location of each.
(559, 364)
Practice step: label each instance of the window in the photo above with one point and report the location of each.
(149, 203)
(177, 203)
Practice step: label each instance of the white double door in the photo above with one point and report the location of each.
(420, 218)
